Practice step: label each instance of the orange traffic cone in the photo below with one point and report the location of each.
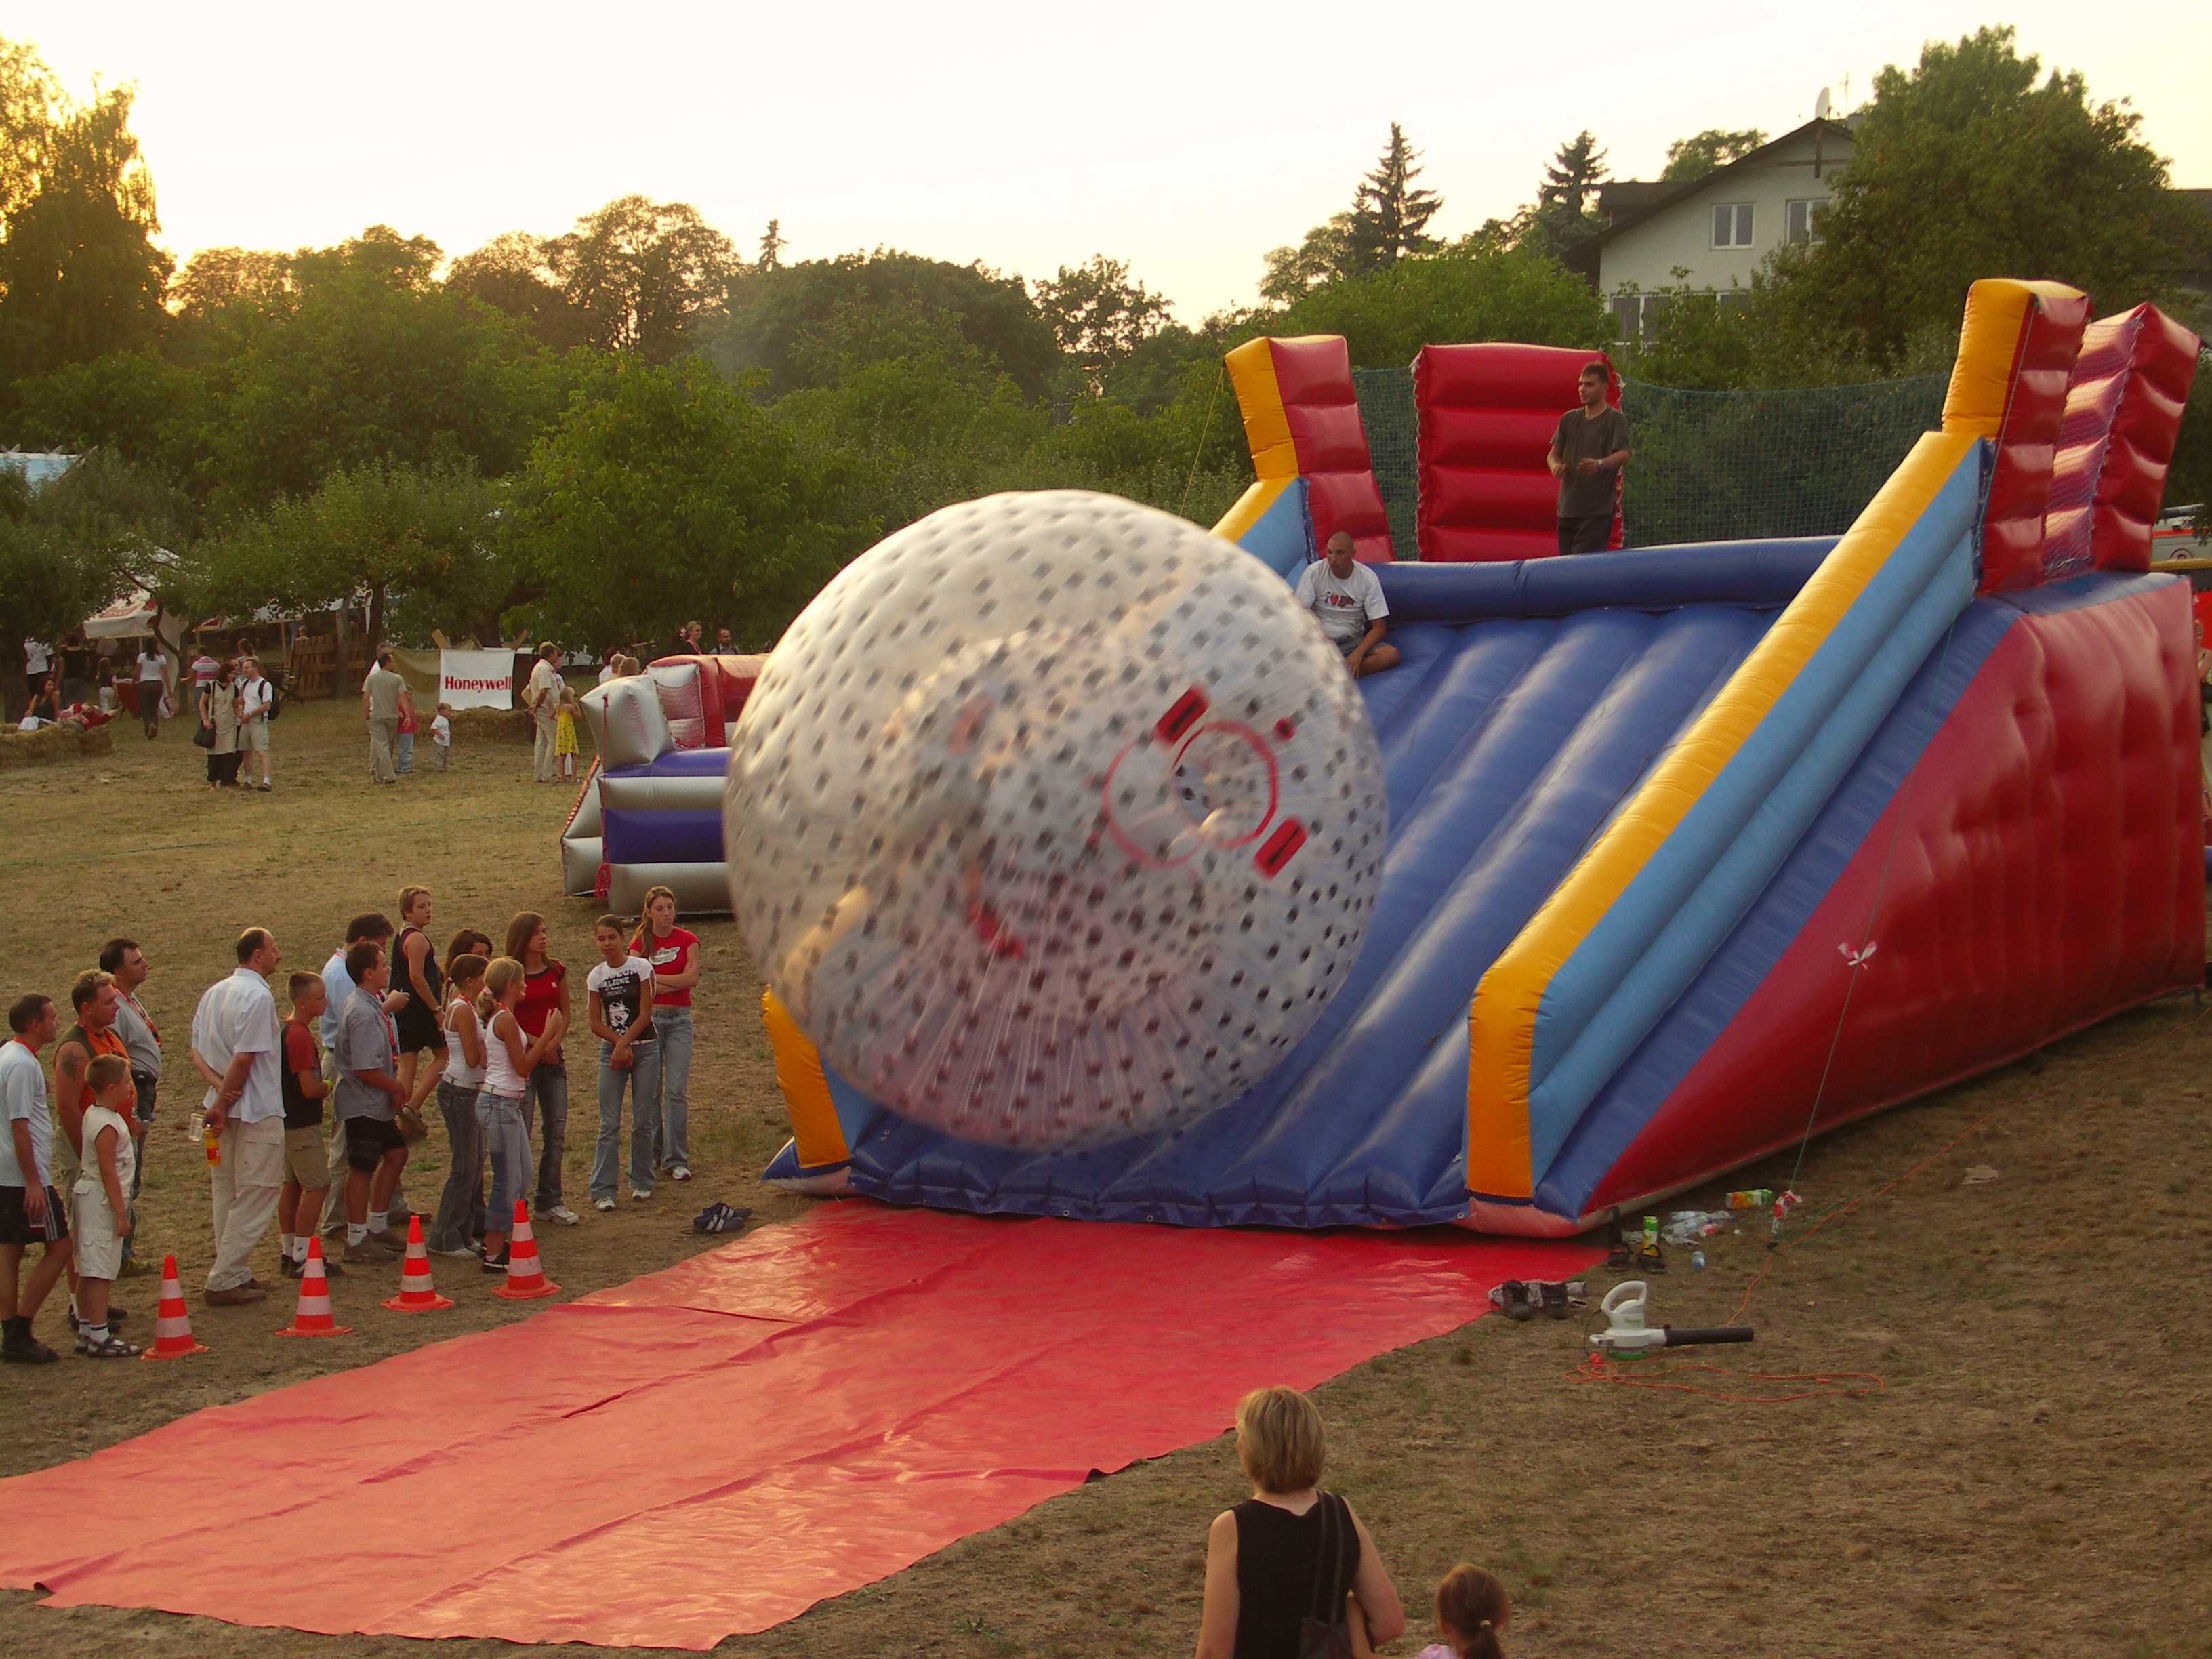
(525, 1280)
(415, 1294)
(313, 1316)
(172, 1326)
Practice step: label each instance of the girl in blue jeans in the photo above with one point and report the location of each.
(510, 1059)
(621, 1011)
(674, 953)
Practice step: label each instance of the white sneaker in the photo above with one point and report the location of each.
(637, 1195)
(564, 1214)
(679, 1172)
(603, 1203)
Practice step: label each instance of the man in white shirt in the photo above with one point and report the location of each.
(541, 697)
(255, 695)
(1346, 597)
(236, 1038)
(30, 1208)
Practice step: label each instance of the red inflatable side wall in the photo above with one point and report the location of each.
(2123, 416)
(726, 681)
(1312, 377)
(1487, 413)
(2050, 339)
(2046, 871)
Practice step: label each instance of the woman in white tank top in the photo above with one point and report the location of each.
(460, 1205)
(509, 1057)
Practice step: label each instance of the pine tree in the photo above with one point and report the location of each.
(1575, 173)
(771, 246)
(1388, 215)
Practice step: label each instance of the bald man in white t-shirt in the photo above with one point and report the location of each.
(1346, 599)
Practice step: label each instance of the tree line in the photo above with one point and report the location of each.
(588, 435)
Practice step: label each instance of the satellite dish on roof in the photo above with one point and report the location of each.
(1821, 106)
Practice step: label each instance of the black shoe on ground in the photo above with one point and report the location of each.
(20, 1347)
(496, 1264)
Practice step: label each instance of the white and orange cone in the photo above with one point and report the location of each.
(525, 1279)
(173, 1325)
(416, 1294)
(312, 1317)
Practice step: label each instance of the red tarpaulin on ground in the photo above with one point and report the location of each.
(713, 1449)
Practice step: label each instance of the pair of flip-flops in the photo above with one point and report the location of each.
(1524, 1298)
(720, 1218)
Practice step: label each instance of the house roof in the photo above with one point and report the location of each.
(1631, 199)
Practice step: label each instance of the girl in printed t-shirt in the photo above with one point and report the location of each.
(621, 1010)
(674, 953)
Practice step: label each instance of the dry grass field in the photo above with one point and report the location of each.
(2031, 1478)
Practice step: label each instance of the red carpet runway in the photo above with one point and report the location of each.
(713, 1450)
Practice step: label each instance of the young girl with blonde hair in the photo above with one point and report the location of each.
(510, 1059)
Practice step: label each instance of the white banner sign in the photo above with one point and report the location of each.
(477, 679)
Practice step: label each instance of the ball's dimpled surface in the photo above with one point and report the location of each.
(1055, 818)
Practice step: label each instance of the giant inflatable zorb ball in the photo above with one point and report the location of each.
(1054, 818)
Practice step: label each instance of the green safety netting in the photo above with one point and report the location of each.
(1709, 465)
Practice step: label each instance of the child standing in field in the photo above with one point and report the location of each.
(1472, 1613)
(408, 726)
(307, 1170)
(102, 1219)
(673, 952)
(441, 735)
(510, 1057)
(564, 733)
(453, 1230)
(621, 1005)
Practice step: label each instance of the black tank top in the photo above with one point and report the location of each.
(1280, 1558)
(404, 980)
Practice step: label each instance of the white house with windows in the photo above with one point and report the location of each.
(1710, 234)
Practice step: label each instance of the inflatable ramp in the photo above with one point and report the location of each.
(1672, 828)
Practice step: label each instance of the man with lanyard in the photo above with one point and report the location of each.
(1590, 447)
(141, 1043)
(93, 996)
(235, 1034)
(30, 1208)
(372, 927)
(541, 697)
(368, 1095)
(255, 696)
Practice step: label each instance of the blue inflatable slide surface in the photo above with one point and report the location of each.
(1511, 734)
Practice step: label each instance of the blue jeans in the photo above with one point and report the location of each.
(406, 753)
(146, 1088)
(503, 1130)
(644, 1078)
(672, 1141)
(548, 1090)
(460, 1205)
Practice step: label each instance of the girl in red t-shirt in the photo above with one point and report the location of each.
(674, 953)
(545, 989)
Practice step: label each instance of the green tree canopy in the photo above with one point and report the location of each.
(1390, 214)
(1708, 152)
(1099, 315)
(674, 495)
(510, 273)
(1387, 315)
(1973, 163)
(79, 273)
(643, 277)
(783, 321)
(417, 542)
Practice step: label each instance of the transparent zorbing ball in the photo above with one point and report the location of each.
(1054, 818)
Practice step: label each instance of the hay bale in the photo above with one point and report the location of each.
(480, 725)
(99, 741)
(50, 744)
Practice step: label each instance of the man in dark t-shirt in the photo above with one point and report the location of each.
(1589, 449)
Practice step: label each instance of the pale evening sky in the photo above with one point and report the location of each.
(1186, 138)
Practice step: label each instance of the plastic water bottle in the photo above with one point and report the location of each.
(1697, 1261)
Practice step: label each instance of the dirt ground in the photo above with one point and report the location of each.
(2023, 1483)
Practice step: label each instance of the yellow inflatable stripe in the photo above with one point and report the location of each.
(814, 1123)
(1502, 1021)
(1250, 506)
(1988, 349)
(1266, 428)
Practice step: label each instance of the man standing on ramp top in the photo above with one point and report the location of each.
(1589, 449)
